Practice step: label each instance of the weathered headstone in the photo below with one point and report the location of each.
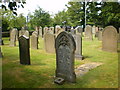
(40, 32)
(49, 43)
(24, 50)
(72, 31)
(109, 39)
(21, 32)
(79, 30)
(46, 30)
(100, 35)
(57, 29)
(13, 37)
(51, 30)
(65, 52)
(78, 41)
(26, 33)
(88, 33)
(34, 41)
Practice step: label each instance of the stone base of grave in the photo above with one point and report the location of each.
(80, 57)
(59, 81)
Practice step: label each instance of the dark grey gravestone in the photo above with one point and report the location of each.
(78, 41)
(65, 53)
(88, 33)
(13, 37)
(109, 39)
(100, 35)
(24, 50)
(49, 43)
(34, 41)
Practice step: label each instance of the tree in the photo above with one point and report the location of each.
(40, 18)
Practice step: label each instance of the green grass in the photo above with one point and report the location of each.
(41, 72)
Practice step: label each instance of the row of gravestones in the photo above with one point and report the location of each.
(65, 52)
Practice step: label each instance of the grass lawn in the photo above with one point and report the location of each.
(41, 72)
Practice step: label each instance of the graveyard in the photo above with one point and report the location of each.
(41, 72)
(71, 44)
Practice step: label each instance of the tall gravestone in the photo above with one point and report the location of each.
(65, 53)
(34, 41)
(13, 35)
(24, 50)
(88, 33)
(78, 41)
(49, 43)
(109, 39)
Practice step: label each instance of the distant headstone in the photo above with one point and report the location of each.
(100, 35)
(93, 29)
(78, 41)
(34, 40)
(57, 29)
(40, 32)
(109, 39)
(51, 30)
(21, 32)
(46, 30)
(26, 33)
(79, 30)
(49, 43)
(88, 33)
(13, 35)
(65, 52)
(24, 50)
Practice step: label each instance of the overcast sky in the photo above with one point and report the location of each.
(53, 6)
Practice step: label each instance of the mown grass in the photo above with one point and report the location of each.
(41, 72)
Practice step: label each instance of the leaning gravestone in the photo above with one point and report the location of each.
(65, 52)
(24, 50)
(78, 41)
(34, 41)
(88, 33)
(109, 39)
(49, 43)
(13, 35)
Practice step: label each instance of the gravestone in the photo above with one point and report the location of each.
(51, 30)
(24, 50)
(88, 33)
(109, 39)
(100, 35)
(34, 40)
(65, 52)
(57, 29)
(78, 41)
(21, 32)
(13, 35)
(93, 29)
(26, 33)
(46, 30)
(49, 43)
(40, 32)
(79, 30)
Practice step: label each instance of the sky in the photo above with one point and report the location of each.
(52, 6)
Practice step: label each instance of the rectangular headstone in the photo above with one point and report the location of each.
(100, 35)
(65, 53)
(88, 33)
(34, 41)
(78, 41)
(49, 43)
(13, 35)
(24, 50)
